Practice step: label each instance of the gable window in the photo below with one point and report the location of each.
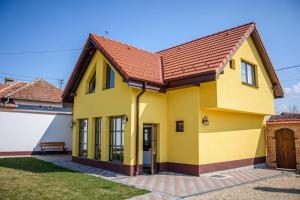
(97, 138)
(110, 77)
(83, 138)
(92, 84)
(116, 139)
(248, 73)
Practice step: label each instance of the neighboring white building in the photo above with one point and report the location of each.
(31, 113)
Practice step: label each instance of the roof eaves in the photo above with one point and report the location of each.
(276, 83)
(71, 80)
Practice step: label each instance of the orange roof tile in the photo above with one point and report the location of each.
(208, 53)
(134, 62)
(39, 90)
(11, 87)
(2, 86)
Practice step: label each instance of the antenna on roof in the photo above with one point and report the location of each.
(106, 33)
(60, 82)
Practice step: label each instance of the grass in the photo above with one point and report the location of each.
(30, 178)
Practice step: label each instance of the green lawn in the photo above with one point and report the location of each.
(30, 178)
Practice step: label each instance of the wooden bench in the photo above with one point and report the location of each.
(52, 145)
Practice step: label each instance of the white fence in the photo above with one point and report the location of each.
(22, 131)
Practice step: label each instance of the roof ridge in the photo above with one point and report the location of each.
(205, 37)
(30, 84)
(123, 43)
(9, 86)
(21, 88)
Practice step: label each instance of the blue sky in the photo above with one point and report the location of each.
(30, 26)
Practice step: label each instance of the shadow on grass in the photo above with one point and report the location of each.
(282, 190)
(31, 165)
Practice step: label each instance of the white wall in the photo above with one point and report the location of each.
(23, 131)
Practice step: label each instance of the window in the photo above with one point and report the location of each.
(248, 74)
(116, 139)
(92, 84)
(98, 138)
(83, 137)
(179, 126)
(110, 77)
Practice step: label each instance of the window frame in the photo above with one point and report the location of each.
(109, 81)
(113, 131)
(81, 143)
(98, 133)
(93, 79)
(253, 73)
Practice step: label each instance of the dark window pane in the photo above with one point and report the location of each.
(92, 84)
(83, 138)
(116, 149)
(97, 138)
(110, 77)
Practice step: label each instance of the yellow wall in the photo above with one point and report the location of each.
(231, 136)
(183, 104)
(229, 93)
(102, 103)
(153, 109)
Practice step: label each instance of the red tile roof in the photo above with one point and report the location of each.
(39, 90)
(195, 59)
(208, 53)
(133, 62)
(285, 118)
(11, 87)
(2, 86)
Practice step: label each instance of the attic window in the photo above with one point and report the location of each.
(232, 64)
(110, 77)
(92, 84)
(248, 73)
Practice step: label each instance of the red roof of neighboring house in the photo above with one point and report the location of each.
(38, 90)
(2, 86)
(285, 118)
(193, 62)
(11, 87)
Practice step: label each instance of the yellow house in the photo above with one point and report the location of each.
(194, 108)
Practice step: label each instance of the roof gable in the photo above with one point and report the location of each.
(193, 62)
(39, 90)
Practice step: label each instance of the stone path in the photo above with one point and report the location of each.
(169, 185)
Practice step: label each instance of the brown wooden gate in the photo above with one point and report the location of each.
(285, 149)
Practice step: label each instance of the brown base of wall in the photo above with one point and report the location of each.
(120, 168)
(27, 153)
(194, 170)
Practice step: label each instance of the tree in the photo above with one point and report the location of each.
(293, 109)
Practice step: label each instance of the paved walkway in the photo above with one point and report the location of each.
(171, 185)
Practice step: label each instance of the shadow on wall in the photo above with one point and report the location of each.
(59, 130)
